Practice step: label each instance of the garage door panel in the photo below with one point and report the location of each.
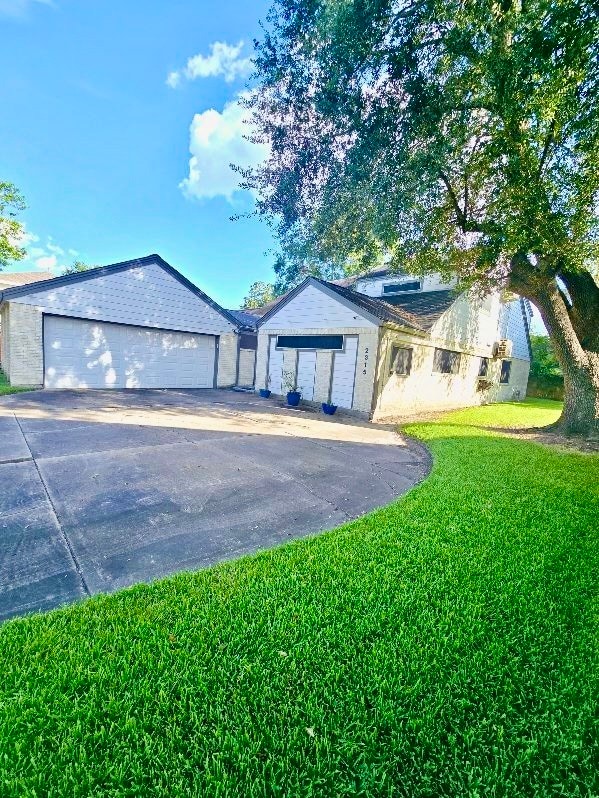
(344, 373)
(87, 354)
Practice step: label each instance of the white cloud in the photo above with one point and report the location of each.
(216, 141)
(223, 60)
(52, 247)
(48, 256)
(19, 9)
(47, 263)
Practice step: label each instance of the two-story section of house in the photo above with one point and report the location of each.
(387, 345)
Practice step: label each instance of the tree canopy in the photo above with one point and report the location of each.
(441, 136)
(259, 294)
(11, 230)
(77, 266)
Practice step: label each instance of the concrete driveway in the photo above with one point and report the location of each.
(100, 490)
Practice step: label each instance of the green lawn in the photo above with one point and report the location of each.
(6, 388)
(443, 646)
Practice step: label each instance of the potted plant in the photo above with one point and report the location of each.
(294, 394)
(265, 392)
(328, 408)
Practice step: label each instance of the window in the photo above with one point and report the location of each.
(506, 368)
(446, 362)
(248, 341)
(310, 342)
(401, 360)
(397, 288)
(483, 369)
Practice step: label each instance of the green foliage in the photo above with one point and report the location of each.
(442, 646)
(442, 135)
(11, 230)
(77, 266)
(259, 294)
(6, 387)
(544, 362)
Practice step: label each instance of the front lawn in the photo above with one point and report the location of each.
(443, 646)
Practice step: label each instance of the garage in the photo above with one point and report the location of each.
(135, 324)
(86, 354)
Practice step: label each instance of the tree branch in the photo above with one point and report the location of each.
(548, 142)
(454, 201)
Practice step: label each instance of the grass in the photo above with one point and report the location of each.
(6, 387)
(443, 646)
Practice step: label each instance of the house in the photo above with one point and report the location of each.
(386, 344)
(135, 324)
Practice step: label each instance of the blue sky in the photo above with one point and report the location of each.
(100, 102)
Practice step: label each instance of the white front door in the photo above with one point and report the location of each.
(344, 373)
(275, 367)
(306, 374)
(90, 354)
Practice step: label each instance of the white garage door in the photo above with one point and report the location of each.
(89, 354)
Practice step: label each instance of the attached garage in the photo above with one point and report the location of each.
(136, 324)
(88, 354)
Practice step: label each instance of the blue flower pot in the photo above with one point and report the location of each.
(328, 409)
(264, 393)
(293, 398)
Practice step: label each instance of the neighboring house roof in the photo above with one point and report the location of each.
(12, 279)
(101, 271)
(244, 317)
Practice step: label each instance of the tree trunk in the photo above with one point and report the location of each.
(580, 366)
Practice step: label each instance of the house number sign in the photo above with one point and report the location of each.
(365, 360)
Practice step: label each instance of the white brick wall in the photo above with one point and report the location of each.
(425, 391)
(24, 345)
(247, 363)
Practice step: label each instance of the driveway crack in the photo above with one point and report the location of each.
(61, 531)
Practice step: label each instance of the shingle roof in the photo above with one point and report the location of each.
(419, 310)
(244, 317)
(427, 306)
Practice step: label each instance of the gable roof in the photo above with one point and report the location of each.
(102, 271)
(417, 312)
(12, 279)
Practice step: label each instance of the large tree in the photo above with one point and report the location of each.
(448, 136)
(11, 230)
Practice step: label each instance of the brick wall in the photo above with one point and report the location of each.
(22, 337)
(424, 390)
